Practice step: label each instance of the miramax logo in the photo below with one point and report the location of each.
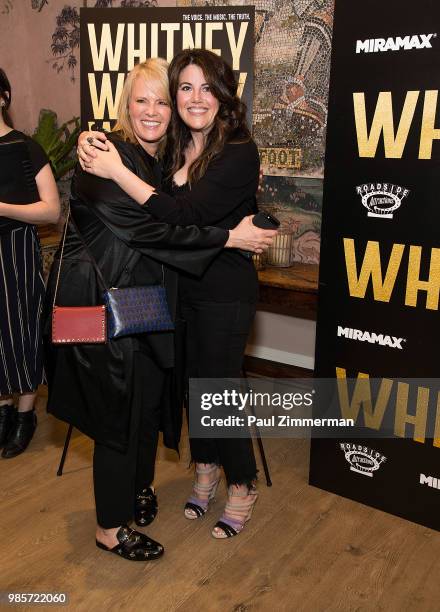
(405, 43)
(381, 199)
(371, 337)
(430, 481)
(362, 459)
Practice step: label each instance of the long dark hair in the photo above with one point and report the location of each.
(230, 122)
(5, 95)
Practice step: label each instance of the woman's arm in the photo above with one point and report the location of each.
(117, 210)
(229, 180)
(108, 164)
(46, 210)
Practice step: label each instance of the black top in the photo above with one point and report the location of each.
(21, 163)
(222, 197)
(154, 164)
(36, 153)
(91, 386)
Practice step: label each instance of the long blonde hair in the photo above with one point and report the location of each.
(155, 72)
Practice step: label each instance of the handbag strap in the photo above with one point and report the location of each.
(92, 259)
(61, 259)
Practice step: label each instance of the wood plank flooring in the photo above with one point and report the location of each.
(304, 549)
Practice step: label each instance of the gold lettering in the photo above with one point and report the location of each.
(414, 284)
(428, 132)
(106, 99)
(371, 267)
(105, 125)
(170, 28)
(188, 41)
(402, 416)
(154, 51)
(210, 27)
(373, 416)
(236, 47)
(241, 83)
(132, 53)
(284, 158)
(106, 46)
(383, 122)
(436, 441)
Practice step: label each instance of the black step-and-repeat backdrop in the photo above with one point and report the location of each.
(380, 257)
(113, 41)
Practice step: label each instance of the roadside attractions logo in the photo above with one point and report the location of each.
(362, 459)
(399, 43)
(381, 199)
(371, 337)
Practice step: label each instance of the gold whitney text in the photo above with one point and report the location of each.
(143, 40)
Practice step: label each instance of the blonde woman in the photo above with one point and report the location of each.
(122, 393)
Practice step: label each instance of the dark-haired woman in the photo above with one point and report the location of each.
(120, 393)
(21, 283)
(214, 172)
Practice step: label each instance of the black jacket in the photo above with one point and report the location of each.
(91, 386)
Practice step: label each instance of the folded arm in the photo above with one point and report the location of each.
(207, 203)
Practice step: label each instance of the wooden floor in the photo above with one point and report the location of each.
(304, 549)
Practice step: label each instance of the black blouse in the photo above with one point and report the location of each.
(222, 197)
(21, 188)
(36, 153)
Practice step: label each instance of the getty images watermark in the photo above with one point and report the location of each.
(323, 408)
(234, 408)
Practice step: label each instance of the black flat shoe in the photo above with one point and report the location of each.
(20, 434)
(7, 416)
(145, 507)
(134, 546)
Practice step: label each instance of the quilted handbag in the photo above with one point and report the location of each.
(137, 310)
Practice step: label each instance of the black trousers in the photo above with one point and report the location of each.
(216, 340)
(119, 476)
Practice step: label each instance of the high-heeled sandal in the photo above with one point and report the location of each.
(196, 507)
(241, 512)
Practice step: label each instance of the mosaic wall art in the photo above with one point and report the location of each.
(292, 66)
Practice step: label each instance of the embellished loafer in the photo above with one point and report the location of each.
(145, 507)
(134, 546)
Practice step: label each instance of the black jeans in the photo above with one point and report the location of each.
(119, 476)
(216, 340)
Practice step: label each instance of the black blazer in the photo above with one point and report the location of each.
(91, 386)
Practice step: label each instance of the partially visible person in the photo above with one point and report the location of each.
(22, 290)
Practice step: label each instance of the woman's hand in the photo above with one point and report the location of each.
(88, 142)
(106, 164)
(248, 237)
